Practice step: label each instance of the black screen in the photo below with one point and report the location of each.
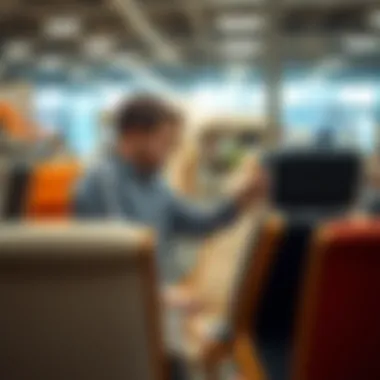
(315, 179)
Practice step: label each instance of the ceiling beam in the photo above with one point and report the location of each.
(135, 18)
(194, 12)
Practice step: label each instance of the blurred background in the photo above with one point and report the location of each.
(300, 65)
(250, 75)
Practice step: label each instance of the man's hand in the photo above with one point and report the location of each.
(252, 186)
(182, 299)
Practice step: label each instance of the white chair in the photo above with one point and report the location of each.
(78, 302)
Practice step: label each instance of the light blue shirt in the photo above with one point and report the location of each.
(115, 189)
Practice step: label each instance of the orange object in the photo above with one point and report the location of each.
(15, 124)
(50, 190)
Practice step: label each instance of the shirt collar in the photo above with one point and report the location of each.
(127, 168)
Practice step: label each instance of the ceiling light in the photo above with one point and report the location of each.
(240, 22)
(374, 19)
(17, 51)
(361, 44)
(240, 48)
(99, 46)
(62, 27)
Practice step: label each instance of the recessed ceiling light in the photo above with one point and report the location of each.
(240, 22)
(62, 27)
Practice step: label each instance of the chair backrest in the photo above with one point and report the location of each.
(222, 255)
(250, 290)
(78, 302)
(338, 326)
(315, 180)
(220, 260)
(182, 170)
(275, 312)
(254, 271)
(272, 318)
(51, 189)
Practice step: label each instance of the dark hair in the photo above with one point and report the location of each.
(145, 113)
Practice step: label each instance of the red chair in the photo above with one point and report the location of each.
(338, 323)
(339, 319)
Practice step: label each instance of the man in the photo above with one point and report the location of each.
(127, 184)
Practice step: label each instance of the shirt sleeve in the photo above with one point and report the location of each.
(190, 219)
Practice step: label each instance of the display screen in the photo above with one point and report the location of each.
(314, 179)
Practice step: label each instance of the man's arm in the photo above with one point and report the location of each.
(190, 219)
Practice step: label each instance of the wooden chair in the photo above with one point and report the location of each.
(213, 282)
(182, 170)
(267, 319)
(50, 191)
(272, 322)
(337, 329)
(79, 302)
(225, 288)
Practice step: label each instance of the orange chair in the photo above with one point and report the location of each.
(50, 190)
(337, 328)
